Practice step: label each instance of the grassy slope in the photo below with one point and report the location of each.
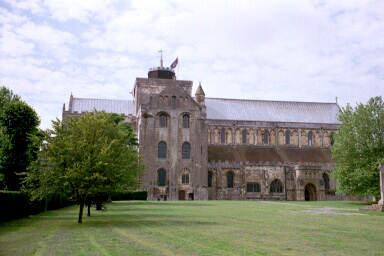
(197, 228)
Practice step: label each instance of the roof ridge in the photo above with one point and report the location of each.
(98, 99)
(284, 101)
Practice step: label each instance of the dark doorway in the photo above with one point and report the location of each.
(190, 196)
(181, 194)
(310, 193)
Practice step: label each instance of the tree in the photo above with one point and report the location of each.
(359, 147)
(18, 122)
(84, 157)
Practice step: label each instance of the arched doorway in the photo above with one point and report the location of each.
(310, 192)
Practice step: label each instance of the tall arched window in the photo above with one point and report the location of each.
(185, 121)
(230, 178)
(210, 175)
(161, 177)
(222, 134)
(173, 102)
(276, 186)
(326, 181)
(186, 151)
(162, 150)
(265, 137)
(288, 137)
(310, 136)
(244, 136)
(163, 120)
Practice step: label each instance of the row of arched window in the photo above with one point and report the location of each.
(162, 177)
(163, 117)
(162, 150)
(275, 187)
(267, 137)
(173, 103)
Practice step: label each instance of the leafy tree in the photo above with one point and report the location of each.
(18, 121)
(359, 147)
(84, 157)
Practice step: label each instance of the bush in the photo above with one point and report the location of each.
(138, 195)
(14, 205)
(53, 202)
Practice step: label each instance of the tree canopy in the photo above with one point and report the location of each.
(85, 156)
(18, 122)
(359, 147)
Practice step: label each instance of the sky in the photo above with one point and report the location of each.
(265, 50)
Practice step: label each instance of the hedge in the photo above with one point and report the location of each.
(138, 195)
(15, 204)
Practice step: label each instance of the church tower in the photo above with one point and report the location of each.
(172, 135)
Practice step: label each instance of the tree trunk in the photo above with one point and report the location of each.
(99, 205)
(81, 212)
(89, 210)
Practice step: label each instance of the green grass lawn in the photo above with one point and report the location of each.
(200, 228)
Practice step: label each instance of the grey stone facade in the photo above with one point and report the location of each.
(211, 149)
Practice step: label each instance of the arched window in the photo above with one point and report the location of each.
(244, 136)
(163, 120)
(210, 175)
(253, 187)
(288, 137)
(265, 136)
(310, 135)
(185, 179)
(162, 150)
(161, 177)
(276, 186)
(230, 177)
(185, 121)
(173, 102)
(186, 151)
(222, 134)
(326, 181)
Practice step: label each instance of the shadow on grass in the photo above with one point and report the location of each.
(163, 203)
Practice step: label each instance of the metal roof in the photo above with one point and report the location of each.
(271, 111)
(125, 107)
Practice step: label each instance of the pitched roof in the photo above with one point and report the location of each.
(271, 111)
(125, 107)
(270, 154)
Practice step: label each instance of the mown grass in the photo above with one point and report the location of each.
(199, 228)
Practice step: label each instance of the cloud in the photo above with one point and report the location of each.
(278, 50)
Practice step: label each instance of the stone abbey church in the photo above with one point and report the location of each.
(198, 148)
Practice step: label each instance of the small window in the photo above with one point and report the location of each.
(185, 179)
(162, 150)
(230, 176)
(210, 176)
(244, 136)
(222, 134)
(288, 137)
(265, 137)
(326, 181)
(310, 135)
(161, 177)
(253, 187)
(276, 186)
(163, 120)
(173, 102)
(185, 121)
(186, 151)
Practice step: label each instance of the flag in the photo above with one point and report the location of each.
(174, 64)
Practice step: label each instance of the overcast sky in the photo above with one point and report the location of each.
(270, 50)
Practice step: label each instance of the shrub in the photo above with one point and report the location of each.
(138, 195)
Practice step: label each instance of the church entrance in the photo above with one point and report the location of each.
(310, 193)
(181, 194)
